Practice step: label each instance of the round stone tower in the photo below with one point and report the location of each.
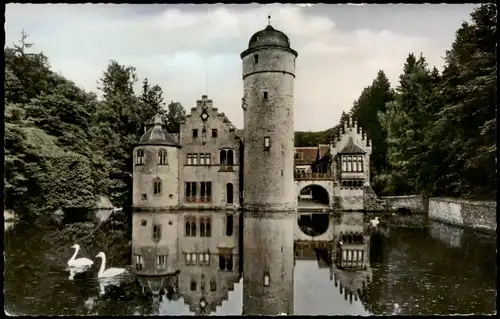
(156, 169)
(268, 79)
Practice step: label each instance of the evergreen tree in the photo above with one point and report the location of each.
(373, 100)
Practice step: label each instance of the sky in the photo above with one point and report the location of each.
(191, 50)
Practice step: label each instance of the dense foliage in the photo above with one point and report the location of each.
(436, 132)
(63, 145)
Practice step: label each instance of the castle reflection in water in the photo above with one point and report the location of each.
(201, 257)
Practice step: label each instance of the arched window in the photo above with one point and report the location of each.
(229, 193)
(205, 227)
(226, 157)
(156, 233)
(162, 157)
(157, 186)
(222, 157)
(190, 230)
(139, 160)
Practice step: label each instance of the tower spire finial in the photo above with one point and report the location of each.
(269, 19)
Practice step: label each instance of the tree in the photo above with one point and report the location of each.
(373, 100)
(404, 122)
(175, 115)
(464, 132)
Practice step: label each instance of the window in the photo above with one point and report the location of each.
(360, 163)
(190, 191)
(190, 258)
(144, 222)
(256, 58)
(157, 186)
(226, 157)
(139, 262)
(156, 233)
(139, 157)
(144, 196)
(229, 225)
(214, 132)
(195, 159)
(266, 279)
(207, 159)
(267, 143)
(205, 227)
(205, 192)
(195, 133)
(190, 223)
(202, 159)
(162, 157)
(352, 163)
(265, 95)
(226, 261)
(193, 285)
(222, 157)
(204, 259)
(213, 285)
(229, 193)
(189, 159)
(161, 262)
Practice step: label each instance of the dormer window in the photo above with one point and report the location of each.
(162, 157)
(267, 143)
(139, 160)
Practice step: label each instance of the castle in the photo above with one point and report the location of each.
(212, 165)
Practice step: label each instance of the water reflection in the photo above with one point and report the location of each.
(268, 263)
(224, 263)
(199, 249)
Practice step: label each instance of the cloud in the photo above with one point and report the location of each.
(176, 46)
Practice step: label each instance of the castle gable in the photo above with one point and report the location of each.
(351, 148)
(350, 139)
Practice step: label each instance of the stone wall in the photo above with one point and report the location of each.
(415, 203)
(479, 215)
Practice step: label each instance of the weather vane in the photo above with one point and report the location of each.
(269, 19)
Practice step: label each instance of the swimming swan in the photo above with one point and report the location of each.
(80, 262)
(110, 272)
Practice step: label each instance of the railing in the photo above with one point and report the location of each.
(226, 168)
(313, 176)
(201, 199)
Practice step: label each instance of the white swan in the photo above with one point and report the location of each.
(375, 222)
(110, 272)
(80, 262)
(396, 310)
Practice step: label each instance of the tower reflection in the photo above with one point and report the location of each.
(268, 263)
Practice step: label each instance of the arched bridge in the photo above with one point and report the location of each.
(314, 191)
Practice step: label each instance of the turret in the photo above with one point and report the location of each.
(156, 169)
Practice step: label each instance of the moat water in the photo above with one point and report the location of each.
(438, 269)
